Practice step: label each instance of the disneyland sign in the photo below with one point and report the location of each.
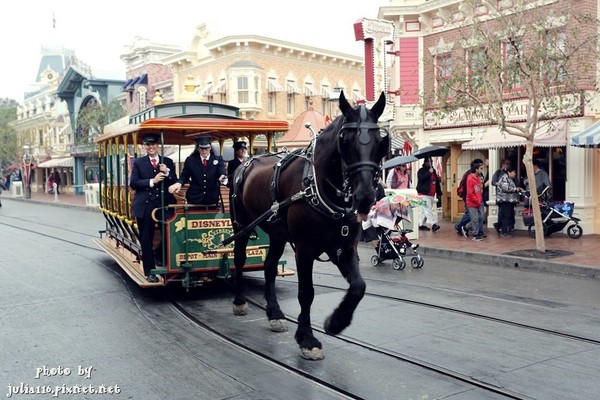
(556, 107)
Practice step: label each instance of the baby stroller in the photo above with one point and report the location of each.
(555, 216)
(395, 248)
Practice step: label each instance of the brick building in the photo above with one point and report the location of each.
(427, 46)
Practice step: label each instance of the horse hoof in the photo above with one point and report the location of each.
(241, 309)
(278, 325)
(312, 354)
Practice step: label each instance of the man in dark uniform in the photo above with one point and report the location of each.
(150, 177)
(240, 152)
(205, 172)
(56, 179)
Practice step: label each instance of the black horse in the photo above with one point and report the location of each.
(314, 199)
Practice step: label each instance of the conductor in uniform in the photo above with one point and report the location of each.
(204, 171)
(240, 150)
(150, 177)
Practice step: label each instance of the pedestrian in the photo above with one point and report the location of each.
(542, 180)
(507, 197)
(204, 172)
(486, 189)
(150, 176)
(474, 198)
(399, 178)
(370, 235)
(7, 181)
(56, 180)
(49, 184)
(240, 150)
(494, 182)
(428, 186)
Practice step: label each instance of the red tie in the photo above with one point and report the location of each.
(204, 162)
(153, 163)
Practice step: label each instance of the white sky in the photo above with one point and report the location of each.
(99, 30)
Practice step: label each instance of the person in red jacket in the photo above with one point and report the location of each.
(474, 198)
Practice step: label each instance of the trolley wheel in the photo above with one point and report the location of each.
(417, 262)
(398, 263)
(375, 260)
(574, 231)
(531, 231)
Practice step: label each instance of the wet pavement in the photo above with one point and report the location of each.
(580, 257)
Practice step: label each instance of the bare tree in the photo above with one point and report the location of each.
(540, 52)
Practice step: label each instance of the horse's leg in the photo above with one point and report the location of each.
(276, 317)
(348, 266)
(310, 347)
(239, 259)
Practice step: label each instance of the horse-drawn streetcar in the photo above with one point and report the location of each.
(313, 198)
(191, 249)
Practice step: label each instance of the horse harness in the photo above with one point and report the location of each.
(310, 192)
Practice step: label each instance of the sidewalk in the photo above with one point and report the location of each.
(583, 258)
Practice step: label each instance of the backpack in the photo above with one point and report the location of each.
(461, 190)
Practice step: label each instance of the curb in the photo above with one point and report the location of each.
(52, 203)
(514, 262)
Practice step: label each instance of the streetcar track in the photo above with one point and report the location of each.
(352, 341)
(461, 312)
(261, 355)
(355, 342)
(375, 295)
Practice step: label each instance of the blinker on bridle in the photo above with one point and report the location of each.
(362, 132)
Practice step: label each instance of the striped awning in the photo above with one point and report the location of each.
(309, 90)
(357, 96)
(208, 90)
(335, 95)
(589, 137)
(292, 88)
(274, 86)
(66, 162)
(221, 87)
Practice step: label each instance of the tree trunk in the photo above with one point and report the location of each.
(540, 240)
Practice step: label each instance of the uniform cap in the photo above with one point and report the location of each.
(150, 138)
(203, 142)
(239, 145)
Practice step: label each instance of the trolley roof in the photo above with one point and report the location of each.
(180, 123)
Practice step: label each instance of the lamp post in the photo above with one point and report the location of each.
(27, 161)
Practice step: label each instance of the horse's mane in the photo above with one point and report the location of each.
(326, 141)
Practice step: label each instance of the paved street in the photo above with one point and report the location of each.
(65, 305)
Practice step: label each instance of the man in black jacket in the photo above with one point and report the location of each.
(150, 177)
(428, 186)
(205, 172)
(240, 152)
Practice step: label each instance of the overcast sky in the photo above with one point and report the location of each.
(99, 30)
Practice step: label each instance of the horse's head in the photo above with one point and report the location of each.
(362, 145)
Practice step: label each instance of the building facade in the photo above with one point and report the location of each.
(425, 35)
(266, 78)
(43, 122)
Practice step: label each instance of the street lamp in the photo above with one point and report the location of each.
(27, 161)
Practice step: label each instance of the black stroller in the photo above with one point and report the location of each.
(555, 216)
(395, 248)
